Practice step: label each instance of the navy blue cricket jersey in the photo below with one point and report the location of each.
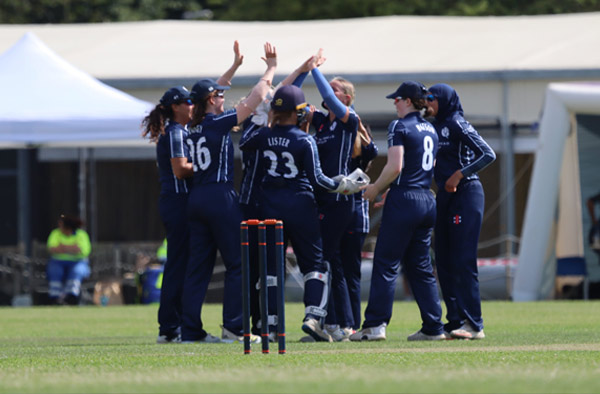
(289, 157)
(252, 171)
(420, 143)
(211, 148)
(461, 147)
(171, 144)
(335, 140)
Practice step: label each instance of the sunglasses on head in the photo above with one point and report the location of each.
(430, 97)
(186, 101)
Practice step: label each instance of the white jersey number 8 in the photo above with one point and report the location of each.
(427, 162)
(200, 154)
(290, 164)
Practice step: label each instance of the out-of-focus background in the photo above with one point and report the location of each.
(77, 78)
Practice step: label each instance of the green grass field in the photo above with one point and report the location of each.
(544, 347)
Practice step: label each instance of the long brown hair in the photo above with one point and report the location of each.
(153, 125)
(199, 111)
(418, 103)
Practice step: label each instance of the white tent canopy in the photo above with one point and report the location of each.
(554, 184)
(47, 101)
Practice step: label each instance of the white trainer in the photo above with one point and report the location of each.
(162, 339)
(466, 331)
(230, 336)
(339, 334)
(313, 328)
(207, 339)
(370, 334)
(421, 336)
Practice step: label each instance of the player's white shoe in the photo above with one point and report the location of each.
(421, 336)
(207, 339)
(313, 328)
(339, 334)
(466, 331)
(227, 336)
(162, 339)
(370, 334)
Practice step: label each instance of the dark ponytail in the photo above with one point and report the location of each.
(199, 111)
(153, 125)
(419, 103)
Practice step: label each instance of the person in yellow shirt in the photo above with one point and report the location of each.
(161, 252)
(69, 247)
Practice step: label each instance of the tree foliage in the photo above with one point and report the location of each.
(90, 11)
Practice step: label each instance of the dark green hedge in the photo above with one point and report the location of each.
(82, 11)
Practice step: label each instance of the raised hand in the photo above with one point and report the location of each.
(316, 60)
(306, 66)
(238, 58)
(270, 55)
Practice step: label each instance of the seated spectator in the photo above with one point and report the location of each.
(69, 247)
(161, 252)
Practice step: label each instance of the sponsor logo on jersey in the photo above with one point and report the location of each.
(456, 219)
(445, 132)
(322, 139)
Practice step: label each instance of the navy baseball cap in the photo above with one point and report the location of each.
(288, 98)
(175, 95)
(409, 89)
(204, 87)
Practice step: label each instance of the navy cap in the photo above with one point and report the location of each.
(409, 89)
(204, 87)
(175, 95)
(288, 98)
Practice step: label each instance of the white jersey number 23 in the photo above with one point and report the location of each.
(289, 163)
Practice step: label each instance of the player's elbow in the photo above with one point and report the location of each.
(181, 172)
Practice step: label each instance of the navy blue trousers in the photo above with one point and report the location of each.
(335, 217)
(215, 217)
(298, 211)
(404, 237)
(459, 217)
(351, 255)
(173, 212)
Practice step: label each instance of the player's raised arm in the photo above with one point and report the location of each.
(238, 59)
(260, 90)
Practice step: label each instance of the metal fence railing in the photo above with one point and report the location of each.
(22, 275)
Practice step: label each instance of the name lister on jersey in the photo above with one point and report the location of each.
(278, 141)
